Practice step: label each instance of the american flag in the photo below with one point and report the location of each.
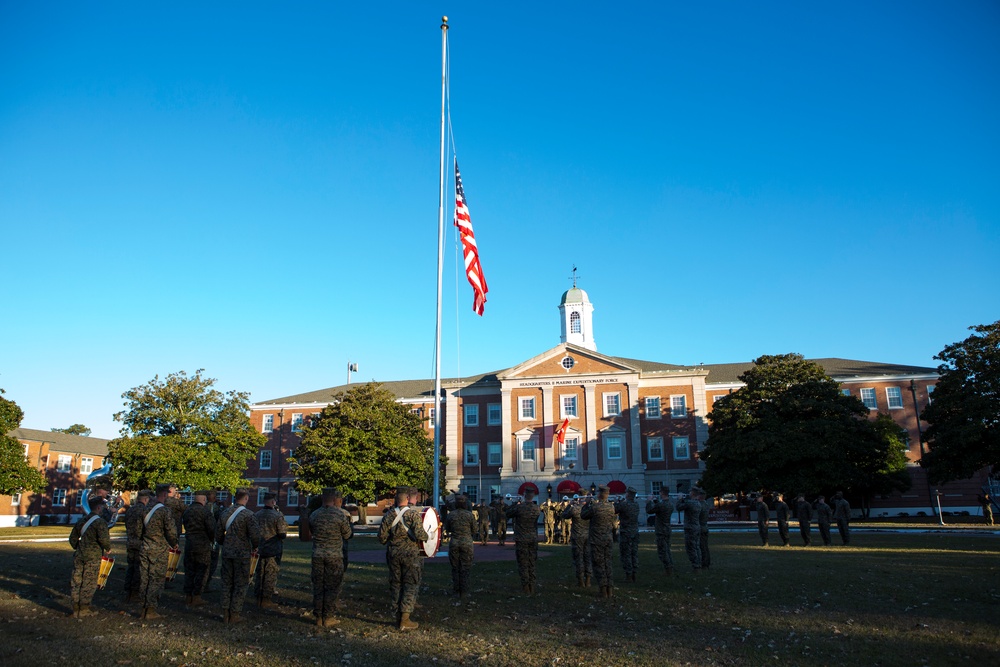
(473, 269)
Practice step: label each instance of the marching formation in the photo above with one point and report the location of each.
(804, 513)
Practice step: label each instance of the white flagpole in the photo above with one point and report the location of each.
(440, 273)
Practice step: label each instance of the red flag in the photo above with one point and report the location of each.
(473, 269)
(560, 434)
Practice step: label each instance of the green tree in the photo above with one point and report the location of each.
(183, 430)
(884, 470)
(75, 429)
(791, 429)
(964, 432)
(366, 444)
(16, 474)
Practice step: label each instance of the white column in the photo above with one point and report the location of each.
(505, 439)
(589, 398)
(453, 440)
(545, 442)
(636, 436)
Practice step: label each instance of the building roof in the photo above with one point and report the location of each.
(401, 389)
(574, 295)
(838, 369)
(64, 442)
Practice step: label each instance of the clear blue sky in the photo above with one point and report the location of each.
(252, 188)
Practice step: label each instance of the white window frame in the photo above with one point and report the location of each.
(571, 448)
(652, 404)
(471, 411)
(59, 497)
(292, 497)
(608, 437)
(269, 458)
(897, 398)
(650, 442)
(717, 398)
(930, 392)
(86, 465)
(471, 454)
(575, 322)
(678, 406)
(15, 499)
(222, 497)
(684, 440)
(494, 414)
(612, 410)
(472, 493)
(524, 450)
(267, 424)
(64, 463)
(491, 449)
(526, 408)
(569, 410)
(296, 422)
(260, 495)
(869, 392)
(655, 486)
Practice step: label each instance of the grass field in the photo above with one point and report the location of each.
(890, 599)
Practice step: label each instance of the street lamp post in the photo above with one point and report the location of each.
(920, 438)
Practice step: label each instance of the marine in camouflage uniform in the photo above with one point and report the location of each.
(273, 530)
(662, 509)
(133, 542)
(177, 509)
(525, 515)
(330, 527)
(402, 531)
(706, 556)
(781, 514)
(628, 533)
(90, 541)
(803, 511)
(763, 517)
(216, 507)
(498, 520)
(581, 543)
(238, 542)
(691, 506)
(199, 529)
(842, 515)
(565, 526)
(601, 514)
(484, 522)
(159, 533)
(461, 547)
(824, 516)
(549, 517)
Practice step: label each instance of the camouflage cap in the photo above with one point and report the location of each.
(631, 490)
(270, 496)
(602, 489)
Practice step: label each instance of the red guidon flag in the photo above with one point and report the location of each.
(473, 269)
(560, 433)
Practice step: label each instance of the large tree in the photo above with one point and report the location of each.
(366, 444)
(964, 418)
(74, 429)
(790, 428)
(16, 474)
(183, 430)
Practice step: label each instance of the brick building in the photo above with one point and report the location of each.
(65, 461)
(631, 422)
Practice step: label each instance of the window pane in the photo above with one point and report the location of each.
(681, 450)
(612, 404)
(268, 426)
(472, 414)
(868, 398)
(528, 450)
(296, 422)
(570, 448)
(495, 414)
(652, 407)
(614, 446)
(494, 454)
(678, 407)
(894, 397)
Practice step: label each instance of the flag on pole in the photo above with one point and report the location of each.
(473, 269)
(560, 434)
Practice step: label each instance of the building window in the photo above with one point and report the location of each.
(654, 487)
(527, 408)
(612, 404)
(930, 391)
(568, 362)
(59, 497)
(613, 446)
(472, 454)
(296, 422)
(472, 493)
(868, 398)
(717, 398)
(222, 497)
(682, 449)
(187, 497)
(432, 415)
(574, 322)
(494, 414)
(265, 459)
(894, 397)
(471, 414)
(293, 497)
(494, 490)
(570, 448)
(678, 407)
(494, 453)
(568, 405)
(15, 499)
(845, 392)
(652, 407)
(65, 463)
(528, 449)
(268, 424)
(86, 465)
(260, 494)
(655, 447)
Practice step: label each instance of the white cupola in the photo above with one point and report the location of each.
(577, 318)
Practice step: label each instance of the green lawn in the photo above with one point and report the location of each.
(892, 599)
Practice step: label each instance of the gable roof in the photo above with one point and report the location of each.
(401, 389)
(838, 369)
(64, 442)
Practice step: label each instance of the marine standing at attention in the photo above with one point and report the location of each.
(803, 511)
(691, 506)
(402, 532)
(90, 541)
(763, 517)
(461, 527)
(199, 527)
(824, 516)
(601, 514)
(133, 542)
(273, 531)
(239, 534)
(580, 540)
(159, 533)
(525, 515)
(842, 515)
(781, 514)
(662, 508)
(628, 533)
(329, 528)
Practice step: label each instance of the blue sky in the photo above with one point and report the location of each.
(252, 188)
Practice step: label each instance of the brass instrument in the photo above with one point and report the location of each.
(101, 479)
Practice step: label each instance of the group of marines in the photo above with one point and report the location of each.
(804, 513)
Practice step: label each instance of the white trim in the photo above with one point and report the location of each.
(888, 400)
(604, 401)
(470, 410)
(645, 407)
(520, 409)
(562, 406)
(649, 448)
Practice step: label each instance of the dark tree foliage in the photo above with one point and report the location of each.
(75, 429)
(791, 429)
(964, 417)
(366, 444)
(16, 474)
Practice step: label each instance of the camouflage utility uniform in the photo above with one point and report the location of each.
(484, 522)
(692, 529)
(842, 515)
(763, 517)
(133, 544)
(601, 514)
(273, 529)
(525, 516)
(461, 548)
(662, 509)
(331, 528)
(781, 514)
(549, 517)
(88, 547)
(628, 536)
(803, 510)
(199, 529)
(159, 533)
(498, 521)
(402, 531)
(238, 543)
(582, 564)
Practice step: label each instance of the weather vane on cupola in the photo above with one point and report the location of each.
(573, 278)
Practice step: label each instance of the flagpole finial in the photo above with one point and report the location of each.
(444, 22)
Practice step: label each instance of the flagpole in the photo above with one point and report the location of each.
(440, 273)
